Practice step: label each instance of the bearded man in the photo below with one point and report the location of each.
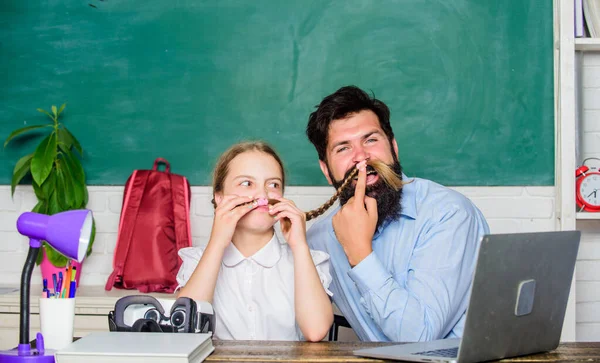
(402, 260)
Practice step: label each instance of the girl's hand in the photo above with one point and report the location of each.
(292, 221)
(228, 212)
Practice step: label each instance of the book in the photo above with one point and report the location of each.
(137, 347)
(591, 12)
(579, 32)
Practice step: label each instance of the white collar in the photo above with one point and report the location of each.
(267, 256)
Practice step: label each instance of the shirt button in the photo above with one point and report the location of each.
(249, 308)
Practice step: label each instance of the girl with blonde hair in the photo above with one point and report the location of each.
(261, 288)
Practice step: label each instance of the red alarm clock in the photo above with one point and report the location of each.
(587, 188)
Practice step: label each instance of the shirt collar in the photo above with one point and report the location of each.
(408, 204)
(267, 256)
(409, 198)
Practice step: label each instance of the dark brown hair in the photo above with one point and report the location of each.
(339, 105)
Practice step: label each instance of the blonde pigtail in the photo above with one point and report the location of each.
(317, 212)
(387, 174)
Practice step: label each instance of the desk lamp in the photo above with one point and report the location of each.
(69, 233)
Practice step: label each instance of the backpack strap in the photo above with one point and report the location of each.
(180, 189)
(131, 205)
(162, 161)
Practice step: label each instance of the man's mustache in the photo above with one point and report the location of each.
(388, 175)
(382, 169)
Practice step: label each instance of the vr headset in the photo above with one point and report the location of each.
(144, 313)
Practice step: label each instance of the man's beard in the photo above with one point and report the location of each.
(388, 199)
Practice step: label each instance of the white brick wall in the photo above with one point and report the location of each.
(508, 209)
(588, 265)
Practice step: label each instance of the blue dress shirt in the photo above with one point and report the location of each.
(415, 284)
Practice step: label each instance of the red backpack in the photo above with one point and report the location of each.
(154, 225)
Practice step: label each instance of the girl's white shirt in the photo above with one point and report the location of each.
(254, 296)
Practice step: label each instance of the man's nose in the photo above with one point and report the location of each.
(360, 154)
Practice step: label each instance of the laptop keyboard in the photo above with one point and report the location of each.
(447, 353)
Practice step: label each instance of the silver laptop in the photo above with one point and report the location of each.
(517, 306)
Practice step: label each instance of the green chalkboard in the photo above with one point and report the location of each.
(469, 82)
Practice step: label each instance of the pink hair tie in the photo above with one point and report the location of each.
(262, 201)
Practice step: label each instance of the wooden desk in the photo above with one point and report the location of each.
(261, 351)
(277, 351)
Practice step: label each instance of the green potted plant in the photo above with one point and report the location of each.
(58, 180)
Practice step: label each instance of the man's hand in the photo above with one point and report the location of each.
(354, 224)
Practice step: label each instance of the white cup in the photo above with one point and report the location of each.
(56, 322)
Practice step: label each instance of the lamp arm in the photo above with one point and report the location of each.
(25, 287)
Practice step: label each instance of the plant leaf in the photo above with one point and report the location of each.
(23, 130)
(44, 191)
(62, 107)
(80, 172)
(53, 206)
(65, 140)
(39, 193)
(46, 112)
(40, 255)
(60, 191)
(43, 159)
(55, 257)
(74, 141)
(39, 207)
(65, 178)
(72, 172)
(75, 167)
(54, 111)
(78, 177)
(78, 194)
(22, 168)
(85, 197)
(49, 185)
(92, 238)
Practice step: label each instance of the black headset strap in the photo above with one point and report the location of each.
(146, 325)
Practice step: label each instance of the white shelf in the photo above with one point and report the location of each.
(588, 215)
(587, 44)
